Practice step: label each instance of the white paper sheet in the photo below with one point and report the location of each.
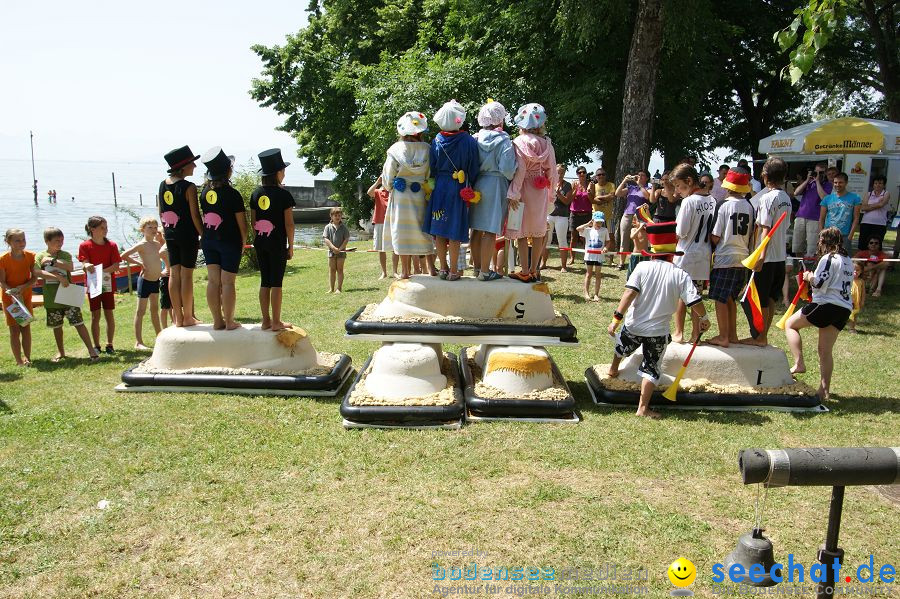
(514, 219)
(73, 295)
(94, 281)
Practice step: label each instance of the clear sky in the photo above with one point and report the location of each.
(104, 80)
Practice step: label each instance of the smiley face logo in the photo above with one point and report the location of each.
(264, 202)
(211, 197)
(168, 198)
(682, 572)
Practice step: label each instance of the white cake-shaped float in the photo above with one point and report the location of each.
(517, 370)
(201, 347)
(402, 370)
(737, 365)
(466, 299)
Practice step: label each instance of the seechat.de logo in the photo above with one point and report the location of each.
(796, 572)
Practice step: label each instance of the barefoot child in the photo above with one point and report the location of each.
(651, 296)
(56, 267)
(165, 302)
(832, 285)
(858, 295)
(770, 278)
(731, 237)
(596, 237)
(147, 252)
(272, 217)
(224, 234)
(336, 235)
(180, 216)
(694, 222)
(100, 252)
(17, 275)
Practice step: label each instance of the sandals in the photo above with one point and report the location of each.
(443, 274)
(454, 276)
(524, 277)
(109, 349)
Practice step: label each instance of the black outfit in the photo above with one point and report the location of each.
(560, 208)
(268, 204)
(769, 282)
(665, 210)
(823, 315)
(222, 242)
(178, 226)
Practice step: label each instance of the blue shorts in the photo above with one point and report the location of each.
(225, 254)
(146, 288)
(727, 283)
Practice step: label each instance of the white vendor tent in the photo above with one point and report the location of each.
(863, 147)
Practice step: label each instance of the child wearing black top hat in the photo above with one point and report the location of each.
(224, 232)
(180, 216)
(272, 216)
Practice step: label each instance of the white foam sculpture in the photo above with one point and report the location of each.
(744, 365)
(515, 369)
(403, 370)
(185, 348)
(467, 298)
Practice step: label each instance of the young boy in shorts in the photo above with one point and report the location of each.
(336, 235)
(650, 299)
(731, 237)
(56, 266)
(147, 252)
(770, 269)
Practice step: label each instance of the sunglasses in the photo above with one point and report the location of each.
(580, 172)
(601, 174)
(874, 243)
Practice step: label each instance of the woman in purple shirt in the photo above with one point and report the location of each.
(636, 193)
(806, 224)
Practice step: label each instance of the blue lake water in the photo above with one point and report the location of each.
(91, 186)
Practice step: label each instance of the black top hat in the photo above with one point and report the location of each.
(180, 157)
(270, 162)
(217, 163)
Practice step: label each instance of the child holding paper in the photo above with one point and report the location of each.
(17, 275)
(100, 252)
(55, 266)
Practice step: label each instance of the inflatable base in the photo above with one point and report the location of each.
(496, 333)
(570, 418)
(447, 426)
(386, 416)
(327, 385)
(509, 408)
(724, 402)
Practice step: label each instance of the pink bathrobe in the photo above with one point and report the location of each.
(534, 158)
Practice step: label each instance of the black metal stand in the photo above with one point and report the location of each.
(830, 551)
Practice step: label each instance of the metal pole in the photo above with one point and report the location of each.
(141, 199)
(115, 203)
(830, 550)
(33, 175)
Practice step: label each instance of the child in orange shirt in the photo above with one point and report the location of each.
(17, 275)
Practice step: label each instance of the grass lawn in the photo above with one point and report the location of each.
(228, 496)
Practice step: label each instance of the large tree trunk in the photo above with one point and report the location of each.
(640, 88)
(882, 24)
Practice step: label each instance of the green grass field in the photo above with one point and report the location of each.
(233, 496)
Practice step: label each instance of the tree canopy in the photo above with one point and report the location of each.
(342, 81)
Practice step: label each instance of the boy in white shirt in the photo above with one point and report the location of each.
(773, 201)
(596, 237)
(731, 237)
(694, 221)
(651, 296)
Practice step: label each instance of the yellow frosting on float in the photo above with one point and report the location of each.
(541, 288)
(290, 337)
(521, 364)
